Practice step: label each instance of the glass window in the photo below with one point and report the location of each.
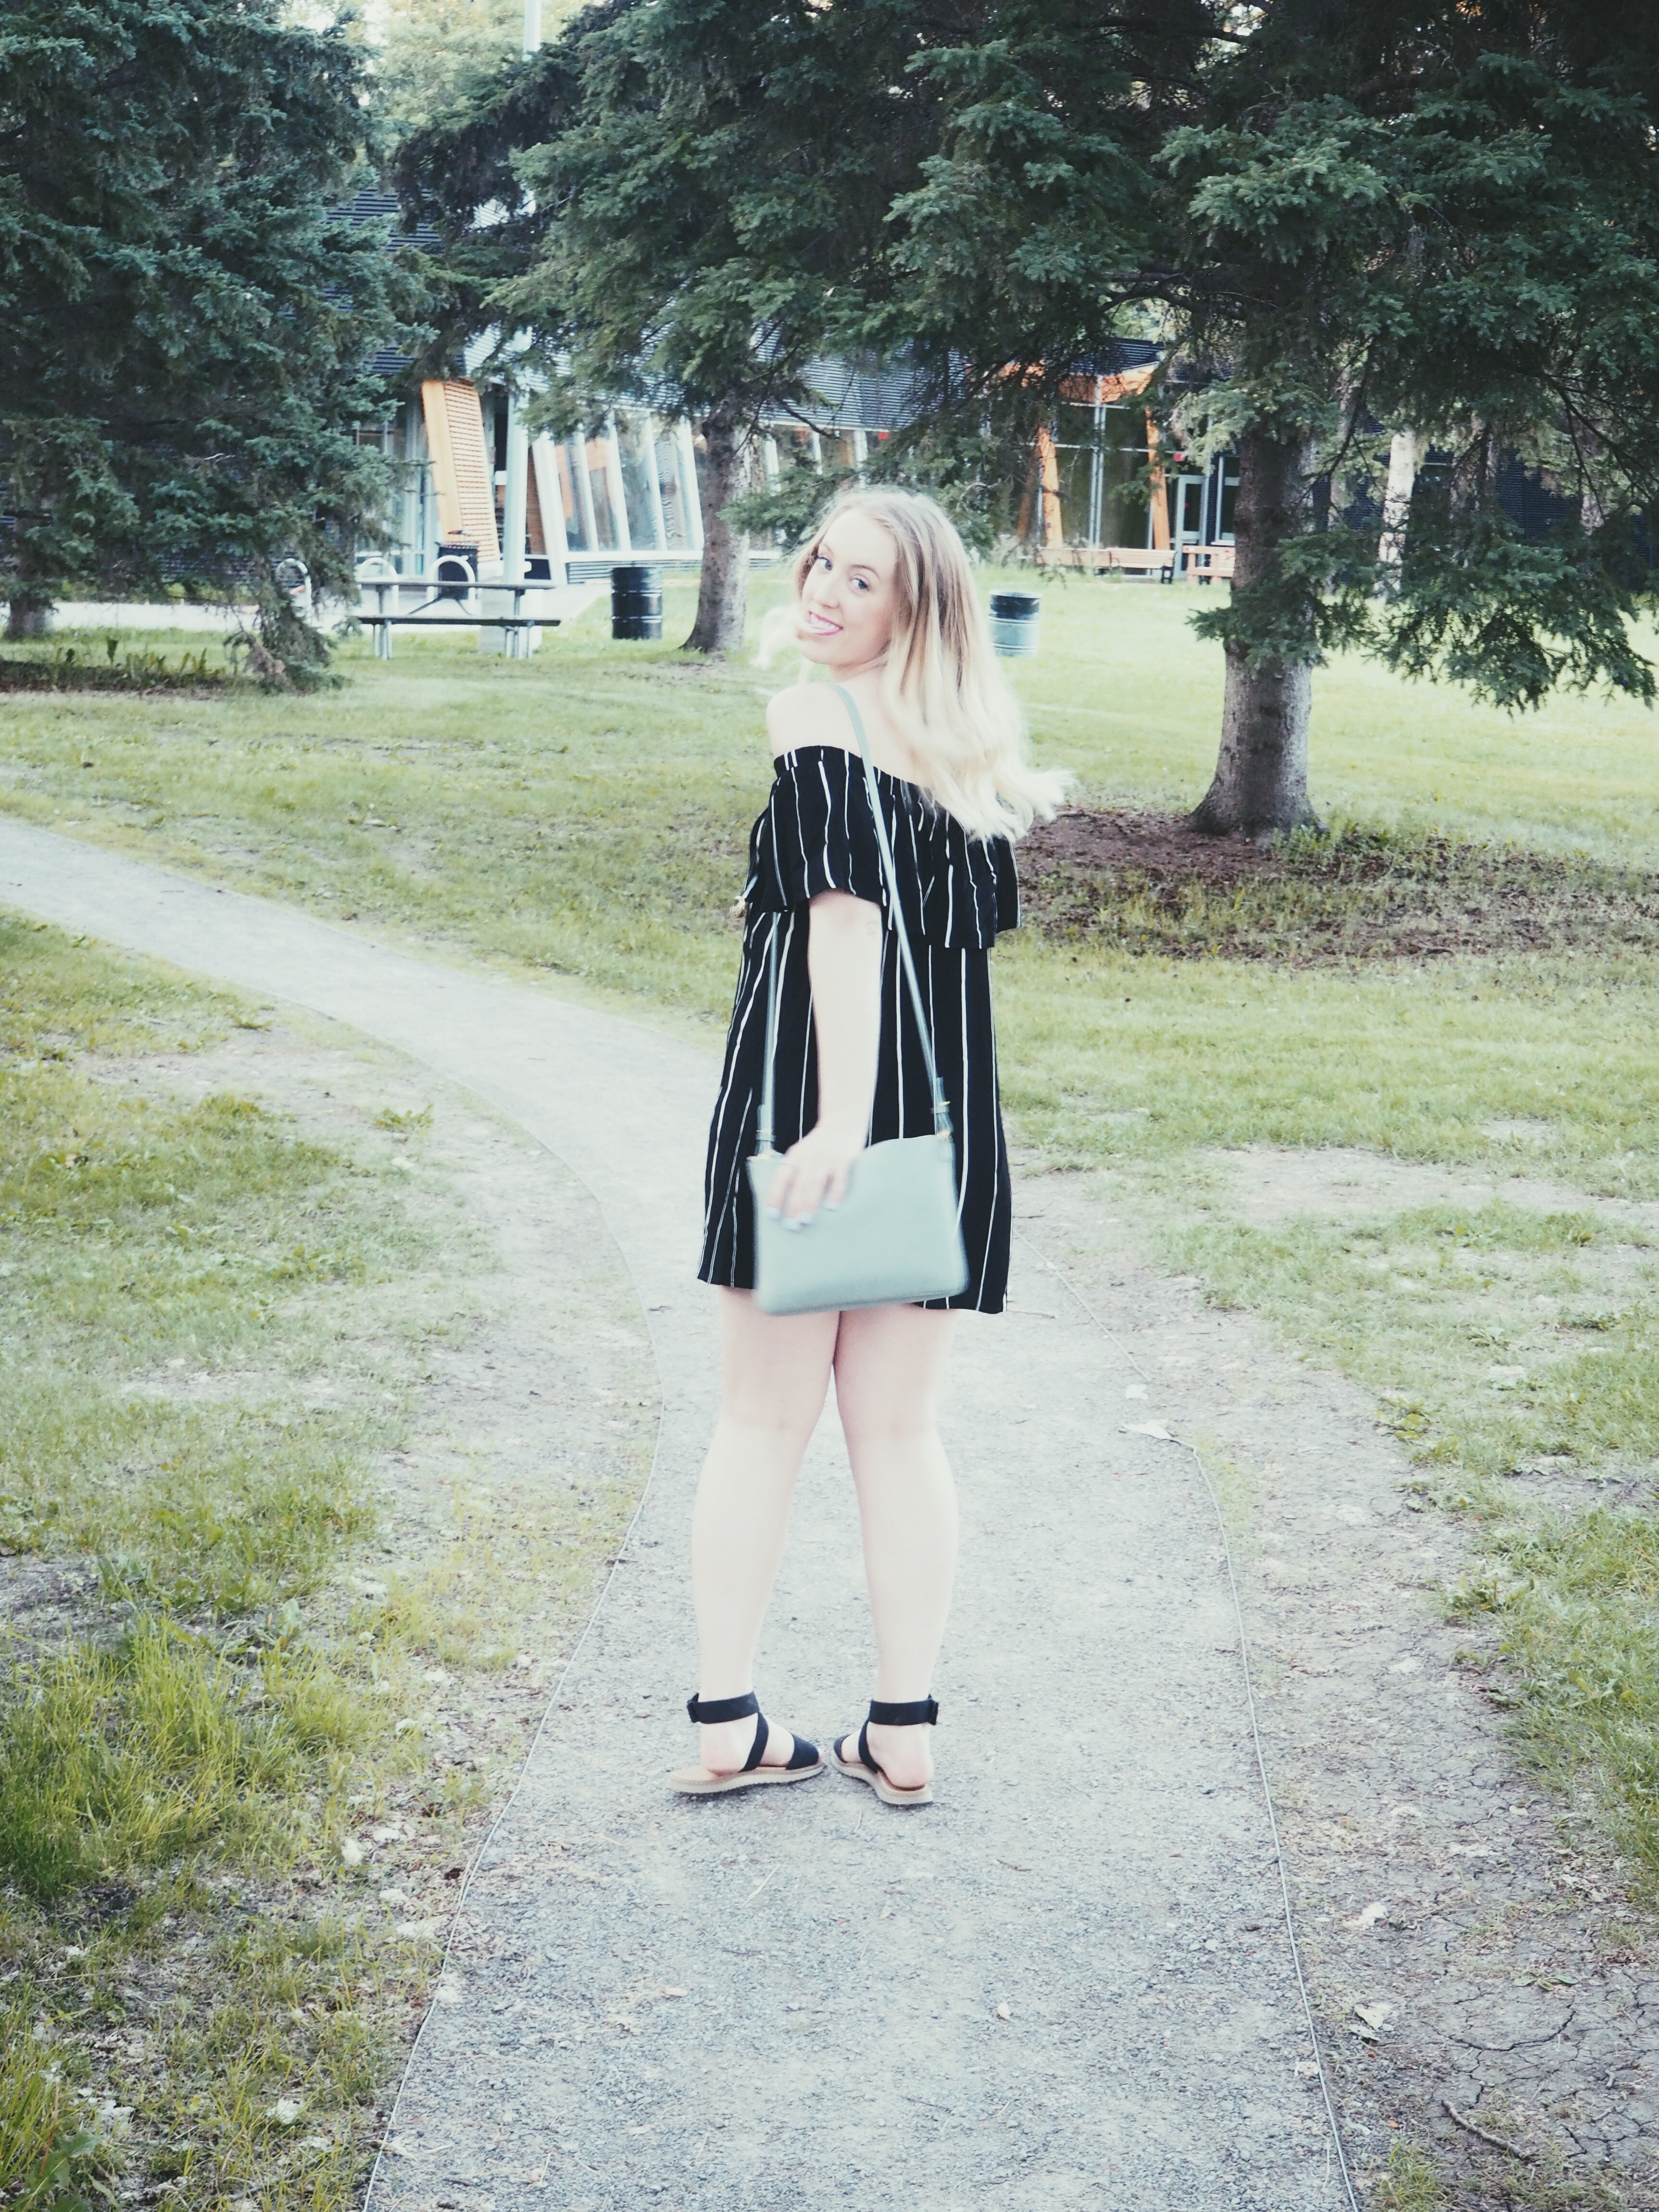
(568, 457)
(598, 483)
(675, 495)
(639, 475)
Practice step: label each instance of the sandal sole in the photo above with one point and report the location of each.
(886, 1791)
(690, 1784)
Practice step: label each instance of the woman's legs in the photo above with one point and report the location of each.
(775, 1372)
(890, 1362)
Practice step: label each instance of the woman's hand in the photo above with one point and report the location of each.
(810, 1175)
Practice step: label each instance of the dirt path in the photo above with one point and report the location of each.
(1483, 1932)
(655, 2000)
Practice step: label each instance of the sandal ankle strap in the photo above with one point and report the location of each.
(922, 1712)
(711, 1711)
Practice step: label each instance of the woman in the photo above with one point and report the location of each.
(885, 605)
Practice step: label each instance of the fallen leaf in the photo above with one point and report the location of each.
(1148, 1429)
(1374, 2015)
(1002, 2013)
(351, 1852)
(285, 2110)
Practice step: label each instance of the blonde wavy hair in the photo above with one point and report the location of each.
(941, 683)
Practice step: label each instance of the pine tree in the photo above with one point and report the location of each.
(186, 333)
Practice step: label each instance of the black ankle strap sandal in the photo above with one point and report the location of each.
(922, 1712)
(804, 1760)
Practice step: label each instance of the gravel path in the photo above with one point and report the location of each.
(1066, 1984)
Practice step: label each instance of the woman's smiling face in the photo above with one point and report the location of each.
(848, 598)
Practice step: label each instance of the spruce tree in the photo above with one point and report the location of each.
(1343, 218)
(185, 332)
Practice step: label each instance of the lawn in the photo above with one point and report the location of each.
(584, 816)
(213, 1332)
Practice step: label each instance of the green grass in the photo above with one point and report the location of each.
(1123, 693)
(198, 1705)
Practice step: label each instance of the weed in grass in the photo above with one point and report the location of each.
(403, 1125)
(1411, 2182)
(63, 667)
(111, 1762)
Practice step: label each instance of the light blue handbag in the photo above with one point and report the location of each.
(895, 1239)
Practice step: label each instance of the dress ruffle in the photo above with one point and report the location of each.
(817, 835)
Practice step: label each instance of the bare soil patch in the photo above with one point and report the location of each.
(1272, 1183)
(1149, 884)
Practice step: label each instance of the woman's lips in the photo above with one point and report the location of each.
(820, 625)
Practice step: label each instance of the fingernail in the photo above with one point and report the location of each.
(832, 1206)
(775, 1213)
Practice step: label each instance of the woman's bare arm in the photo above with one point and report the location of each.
(843, 960)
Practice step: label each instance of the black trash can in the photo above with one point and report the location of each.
(1016, 622)
(637, 602)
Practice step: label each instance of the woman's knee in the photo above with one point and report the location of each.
(783, 1417)
(774, 1371)
(872, 1420)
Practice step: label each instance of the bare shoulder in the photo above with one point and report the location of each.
(807, 714)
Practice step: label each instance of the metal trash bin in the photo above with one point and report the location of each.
(637, 602)
(1016, 624)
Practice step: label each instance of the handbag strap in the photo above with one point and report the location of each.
(935, 1088)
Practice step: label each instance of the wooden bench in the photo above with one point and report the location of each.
(1101, 559)
(1206, 563)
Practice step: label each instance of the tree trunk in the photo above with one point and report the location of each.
(28, 614)
(1397, 499)
(1261, 783)
(723, 588)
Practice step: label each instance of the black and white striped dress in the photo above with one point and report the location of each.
(817, 835)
